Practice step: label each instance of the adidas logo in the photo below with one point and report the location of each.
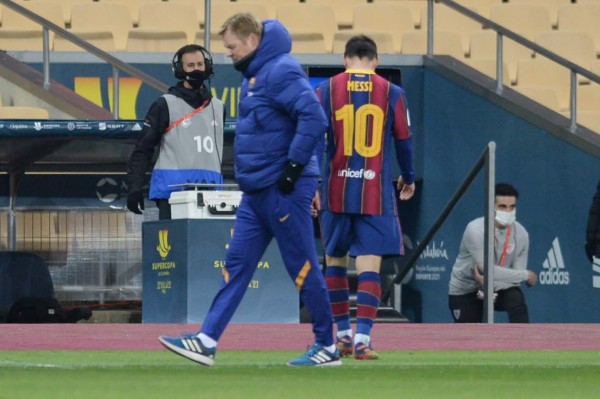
(554, 272)
(596, 269)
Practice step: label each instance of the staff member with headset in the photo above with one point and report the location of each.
(187, 123)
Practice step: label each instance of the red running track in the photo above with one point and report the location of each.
(408, 337)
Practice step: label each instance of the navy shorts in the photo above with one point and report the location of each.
(357, 234)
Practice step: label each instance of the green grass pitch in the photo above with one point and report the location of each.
(263, 374)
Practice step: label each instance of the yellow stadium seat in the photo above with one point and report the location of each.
(481, 7)
(20, 33)
(165, 17)
(577, 47)
(449, 43)
(270, 4)
(546, 96)
(526, 20)
(541, 72)
(94, 18)
(581, 17)
(220, 12)
(483, 46)
(309, 18)
(149, 40)
(551, 5)
(384, 41)
(589, 119)
(393, 19)
(133, 5)
(104, 40)
(414, 6)
(343, 10)
(588, 97)
(199, 6)
(65, 6)
(449, 20)
(22, 112)
(488, 67)
(308, 43)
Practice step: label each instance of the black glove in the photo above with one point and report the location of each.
(288, 178)
(589, 250)
(135, 202)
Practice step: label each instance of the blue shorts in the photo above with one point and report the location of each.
(357, 234)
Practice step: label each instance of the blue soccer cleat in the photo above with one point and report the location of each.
(317, 355)
(190, 347)
(345, 346)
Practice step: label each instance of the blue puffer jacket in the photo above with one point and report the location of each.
(279, 117)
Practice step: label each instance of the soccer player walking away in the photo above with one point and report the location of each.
(279, 127)
(368, 121)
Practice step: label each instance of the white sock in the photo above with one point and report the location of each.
(206, 340)
(343, 333)
(362, 338)
(330, 348)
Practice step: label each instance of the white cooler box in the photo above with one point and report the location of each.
(200, 204)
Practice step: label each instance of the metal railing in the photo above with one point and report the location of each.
(487, 162)
(502, 32)
(116, 64)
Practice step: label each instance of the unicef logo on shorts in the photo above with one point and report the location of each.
(369, 174)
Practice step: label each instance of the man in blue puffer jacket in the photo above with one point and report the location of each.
(279, 130)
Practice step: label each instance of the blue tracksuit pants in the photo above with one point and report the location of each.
(261, 216)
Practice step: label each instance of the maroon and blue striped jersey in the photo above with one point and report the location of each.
(367, 121)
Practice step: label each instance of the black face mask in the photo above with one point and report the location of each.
(242, 64)
(195, 78)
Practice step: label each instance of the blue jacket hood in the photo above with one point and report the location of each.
(275, 41)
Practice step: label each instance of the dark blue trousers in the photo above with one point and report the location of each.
(262, 216)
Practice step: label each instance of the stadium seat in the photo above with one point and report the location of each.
(482, 7)
(414, 6)
(546, 96)
(133, 5)
(384, 41)
(449, 43)
(551, 5)
(393, 19)
(577, 47)
(22, 112)
(525, 19)
(19, 33)
(588, 97)
(581, 17)
(483, 46)
(449, 20)
(166, 18)
(309, 18)
(103, 39)
(95, 19)
(595, 67)
(343, 10)
(308, 43)
(152, 40)
(488, 67)
(541, 72)
(220, 12)
(270, 4)
(589, 119)
(65, 6)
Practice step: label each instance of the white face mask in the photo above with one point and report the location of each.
(506, 218)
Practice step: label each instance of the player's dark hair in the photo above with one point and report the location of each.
(361, 46)
(506, 190)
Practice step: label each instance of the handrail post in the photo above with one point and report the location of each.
(207, 24)
(46, 55)
(488, 248)
(430, 27)
(499, 61)
(116, 93)
(573, 101)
